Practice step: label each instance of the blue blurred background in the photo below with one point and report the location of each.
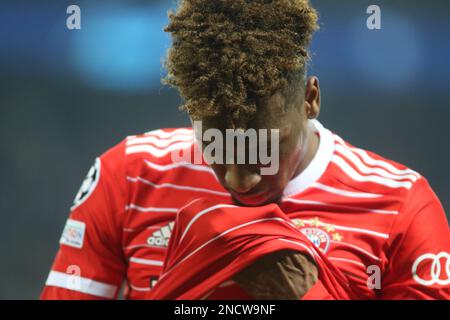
(68, 95)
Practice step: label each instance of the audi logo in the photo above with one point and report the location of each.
(436, 272)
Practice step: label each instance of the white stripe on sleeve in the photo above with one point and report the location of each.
(80, 284)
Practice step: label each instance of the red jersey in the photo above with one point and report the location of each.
(378, 222)
(212, 242)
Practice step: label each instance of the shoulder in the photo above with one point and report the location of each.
(158, 145)
(154, 146)
(147, 154)
(106, 181)
(370, 172)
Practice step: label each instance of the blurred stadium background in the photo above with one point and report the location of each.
(67, 96)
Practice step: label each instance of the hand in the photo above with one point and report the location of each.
(281, 275)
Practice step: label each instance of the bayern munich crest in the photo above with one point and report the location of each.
(319, 233)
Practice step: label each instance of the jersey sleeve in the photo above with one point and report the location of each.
(90, 262)
(419, 246)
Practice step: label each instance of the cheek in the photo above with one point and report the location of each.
(284, 173)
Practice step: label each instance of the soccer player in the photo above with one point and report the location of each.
(241, 64)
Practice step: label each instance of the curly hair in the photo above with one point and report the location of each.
(227, 53)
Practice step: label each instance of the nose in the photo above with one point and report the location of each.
(240, 179)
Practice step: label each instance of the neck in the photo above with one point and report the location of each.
(310, 147)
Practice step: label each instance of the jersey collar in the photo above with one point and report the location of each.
(317, 166)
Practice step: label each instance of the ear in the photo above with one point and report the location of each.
(312, 98)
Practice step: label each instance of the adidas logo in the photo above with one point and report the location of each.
(160, 238)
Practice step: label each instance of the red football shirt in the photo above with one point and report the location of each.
(211, 242)
(378, 222)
